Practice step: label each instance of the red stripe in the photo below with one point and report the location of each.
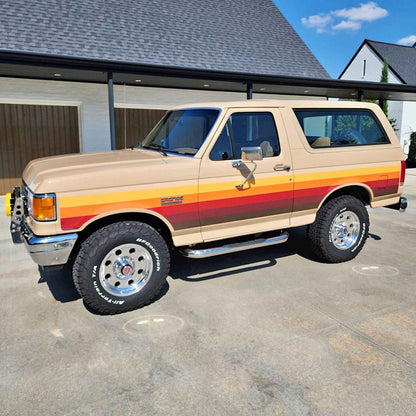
(74, 222)
(277, 198)
(188, 215)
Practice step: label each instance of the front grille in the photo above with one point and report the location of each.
(25, 193)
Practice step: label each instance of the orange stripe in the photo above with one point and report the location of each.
(342, 181)
(254, 191)
(219, 191)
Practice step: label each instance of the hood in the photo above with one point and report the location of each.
(82, 172)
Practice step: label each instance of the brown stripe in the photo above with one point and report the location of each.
(244, 216)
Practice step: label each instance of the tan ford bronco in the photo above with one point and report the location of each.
(209, 179)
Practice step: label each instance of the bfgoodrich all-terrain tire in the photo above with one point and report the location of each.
(121, 267)
(340, 229)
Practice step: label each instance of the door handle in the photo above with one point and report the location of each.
(279, 168)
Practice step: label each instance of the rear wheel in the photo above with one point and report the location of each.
(121, 267)
(340, 229)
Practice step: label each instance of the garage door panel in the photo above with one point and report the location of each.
(31, 131)
(133, 125)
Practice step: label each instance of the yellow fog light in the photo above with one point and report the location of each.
(8, 206)
(43, 207)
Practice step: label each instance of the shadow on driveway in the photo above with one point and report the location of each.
(62, 287)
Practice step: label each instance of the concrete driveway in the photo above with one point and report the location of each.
(265, 332)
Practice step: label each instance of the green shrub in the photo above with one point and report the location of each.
(411, 157)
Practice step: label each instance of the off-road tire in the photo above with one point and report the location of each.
(340, 229)
(121, 267)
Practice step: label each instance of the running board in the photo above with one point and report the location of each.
(235, 247)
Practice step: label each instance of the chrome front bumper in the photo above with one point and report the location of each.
(45, 251)
(49, 251)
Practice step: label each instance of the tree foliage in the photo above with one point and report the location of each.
(411, 157)
(384, 78)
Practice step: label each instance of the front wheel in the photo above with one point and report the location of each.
(121, 267)
(340, 229)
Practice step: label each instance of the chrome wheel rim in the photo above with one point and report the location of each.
(345, 230)
(126, 269)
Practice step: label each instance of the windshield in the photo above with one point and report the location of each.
(181, 131)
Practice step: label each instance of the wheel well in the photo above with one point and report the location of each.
(154, 222)
(357, 191)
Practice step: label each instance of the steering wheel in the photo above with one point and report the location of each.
(349, 136)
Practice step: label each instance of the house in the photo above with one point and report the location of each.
(65, 65)
(367, 64)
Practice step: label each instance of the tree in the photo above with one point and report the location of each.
(411, 157)
(382, 102)
(384, 78)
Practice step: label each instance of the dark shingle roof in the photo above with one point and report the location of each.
(246, 36)
(401, 59)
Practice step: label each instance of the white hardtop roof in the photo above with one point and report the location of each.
(278, 103)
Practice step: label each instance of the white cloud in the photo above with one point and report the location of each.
(345, 19)
(318, 20)
(409, 40)
(347, 25)
(365, 13)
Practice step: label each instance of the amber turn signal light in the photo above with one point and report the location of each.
(43, 207)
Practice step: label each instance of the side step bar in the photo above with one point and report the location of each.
(234, 247)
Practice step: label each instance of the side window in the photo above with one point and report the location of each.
(222, 149)
(247, 129)
(334, 128)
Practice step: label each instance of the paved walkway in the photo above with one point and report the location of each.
(265, 332)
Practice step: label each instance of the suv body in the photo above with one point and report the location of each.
(209, 172)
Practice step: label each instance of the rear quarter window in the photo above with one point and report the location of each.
(340, 127)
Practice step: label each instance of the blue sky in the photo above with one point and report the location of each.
(334, 29)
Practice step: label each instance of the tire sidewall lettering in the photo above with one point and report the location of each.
(91, 285)
(363, 230)
(153, 251)
(97, 286)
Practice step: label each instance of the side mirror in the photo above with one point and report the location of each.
(249, 154)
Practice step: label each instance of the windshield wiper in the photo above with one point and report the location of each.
(157, 147)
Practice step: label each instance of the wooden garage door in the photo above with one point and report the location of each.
(31, 131)
(133, 125)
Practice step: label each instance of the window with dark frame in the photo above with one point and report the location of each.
(344, 127)
(247, 130)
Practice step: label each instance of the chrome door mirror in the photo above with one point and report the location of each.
(248, 154)
(251, 153)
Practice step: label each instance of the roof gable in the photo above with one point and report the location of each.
(222, 35)
(401, 59)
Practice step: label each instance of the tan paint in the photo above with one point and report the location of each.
(140, 171)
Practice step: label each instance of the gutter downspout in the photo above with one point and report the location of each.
(111, 110)
(249, 91)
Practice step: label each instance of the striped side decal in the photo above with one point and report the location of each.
(220, 202)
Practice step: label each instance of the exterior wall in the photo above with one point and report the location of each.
(396, 112)
(91, 99)
(373, 68)
(408, 123)
(164, 98)
(92, 102)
